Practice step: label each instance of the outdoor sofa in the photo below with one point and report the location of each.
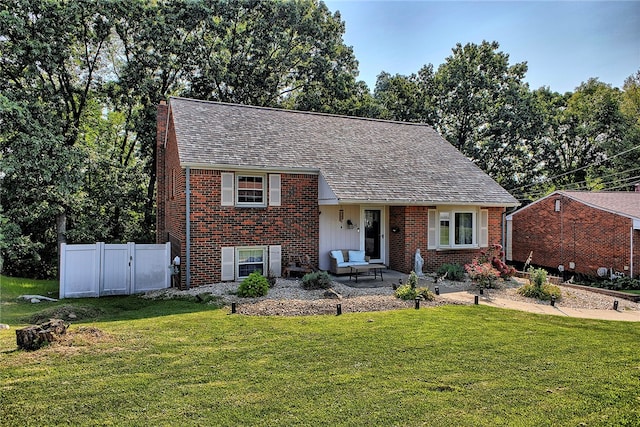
(343, 259)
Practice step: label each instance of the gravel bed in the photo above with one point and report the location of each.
(287, 298)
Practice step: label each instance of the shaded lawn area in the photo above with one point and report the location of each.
(451, 365)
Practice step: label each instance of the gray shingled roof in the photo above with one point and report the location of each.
(360, 159)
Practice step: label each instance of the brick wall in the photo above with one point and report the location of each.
(413, 224)
(161, 127)
(294, 225)
(589, 237)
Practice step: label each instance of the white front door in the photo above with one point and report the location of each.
(373, 234)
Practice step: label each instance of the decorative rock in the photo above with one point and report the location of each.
(35, 301)
(330, 293)
(38, 297)
(4, 326)
(34, 337)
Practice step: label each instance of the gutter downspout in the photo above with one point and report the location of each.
(503, 234)
(631, 252)
(188, 225)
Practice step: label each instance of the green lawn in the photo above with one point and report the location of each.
(184, 363)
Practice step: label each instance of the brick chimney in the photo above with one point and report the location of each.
(161, 131)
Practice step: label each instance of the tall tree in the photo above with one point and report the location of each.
(51, 57)
(407, 98)
(487, 111)
(273, 53)
(585, 129)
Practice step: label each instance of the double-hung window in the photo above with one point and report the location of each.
(250, 190)
(250, 260)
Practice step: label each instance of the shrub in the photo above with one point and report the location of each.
(488, 267)
(316, 280)
(454, 272)
(253, 286)
(483, 274)
(493, 255)
(622, 283)
(538, 286)
(543, 292)
(412, 281)
(406, 292)
(537, 276)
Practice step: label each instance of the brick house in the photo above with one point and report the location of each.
(243, 188)
(584, 233)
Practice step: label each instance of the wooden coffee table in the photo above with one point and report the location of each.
(357, 270)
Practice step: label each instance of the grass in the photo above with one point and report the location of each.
(451, 365)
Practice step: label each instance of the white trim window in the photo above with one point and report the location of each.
(457, 228)
(251, 190)
(250, 259)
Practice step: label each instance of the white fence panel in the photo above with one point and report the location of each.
(114, 269)
(150, 267)
(79, 282)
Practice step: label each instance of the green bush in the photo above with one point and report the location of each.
(412, 281)
(454, 272)
(406, 292)
(316, 280)
(537, 276)
(538, 286)
(253, 286)
(543, 292)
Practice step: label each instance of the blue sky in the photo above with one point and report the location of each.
(563, 42)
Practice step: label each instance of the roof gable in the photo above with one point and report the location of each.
(360, 159)
(623, 203)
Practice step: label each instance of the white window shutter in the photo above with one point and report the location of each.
(431, 237)
(484, 228)
(227, 189)
(228, 265)
(275, 260)
(274, 190)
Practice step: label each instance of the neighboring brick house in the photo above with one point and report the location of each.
(243, 188)
(588, 233)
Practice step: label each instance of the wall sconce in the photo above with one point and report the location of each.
(349, 224)
(395, 229)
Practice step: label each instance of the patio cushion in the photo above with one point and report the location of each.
(356, 256)
(338, 256)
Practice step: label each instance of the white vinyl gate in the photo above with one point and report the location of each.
(113, 269)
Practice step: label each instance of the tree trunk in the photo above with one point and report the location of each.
(61, 228)
(34, 337)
